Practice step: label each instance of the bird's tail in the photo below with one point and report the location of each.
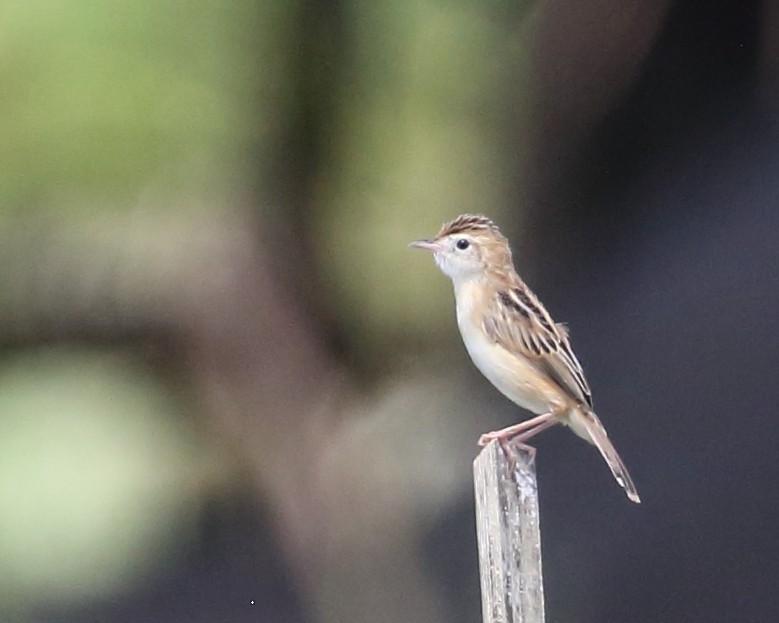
(589, 424)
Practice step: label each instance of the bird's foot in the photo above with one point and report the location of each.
(520, 432)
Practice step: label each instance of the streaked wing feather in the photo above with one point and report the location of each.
(520, 324)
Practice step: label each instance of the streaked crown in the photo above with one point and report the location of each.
(493, 245)
(471, 244)
(471, 224)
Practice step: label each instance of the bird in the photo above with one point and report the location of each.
(513, 341)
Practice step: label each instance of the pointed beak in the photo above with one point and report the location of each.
(428, 245)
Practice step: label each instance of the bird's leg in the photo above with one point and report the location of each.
(523, 430)
(518, 441)
(532, 432)
(518, 434)
(504, 444)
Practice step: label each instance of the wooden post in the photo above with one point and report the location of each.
(509, 538)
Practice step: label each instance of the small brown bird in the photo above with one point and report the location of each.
(514, 342)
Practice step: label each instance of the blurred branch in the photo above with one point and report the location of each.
(259, 367)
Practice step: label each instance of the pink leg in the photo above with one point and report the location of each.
(523, 431)
(519, 440)
(528, 429)
(522, 437)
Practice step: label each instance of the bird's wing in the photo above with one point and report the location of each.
(519, 323)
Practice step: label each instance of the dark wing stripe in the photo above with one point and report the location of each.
(546, 337)
(506, 299)
(538, 312)
(535, 341)
(573, 365)
(523, 322)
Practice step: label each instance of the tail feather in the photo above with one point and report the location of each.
(596, 433)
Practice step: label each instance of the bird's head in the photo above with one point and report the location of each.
(468, 247)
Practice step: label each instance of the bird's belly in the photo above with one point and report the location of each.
(515, 377)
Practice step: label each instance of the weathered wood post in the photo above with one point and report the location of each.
(508, 533)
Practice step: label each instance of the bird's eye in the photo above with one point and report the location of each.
(462, 244)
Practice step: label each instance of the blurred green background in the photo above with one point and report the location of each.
(229, 392)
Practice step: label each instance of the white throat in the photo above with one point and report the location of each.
(458, 271)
